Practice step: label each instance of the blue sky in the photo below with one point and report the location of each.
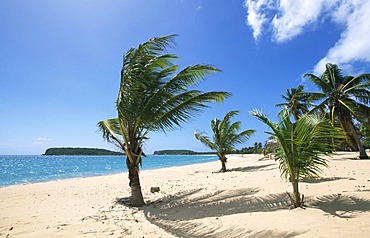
(60, 60)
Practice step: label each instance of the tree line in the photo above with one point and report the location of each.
(79, 151)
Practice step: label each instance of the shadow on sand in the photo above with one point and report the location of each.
(342, 206)
(194, 229)
(256, 168)
(321, 180)
(178, 214)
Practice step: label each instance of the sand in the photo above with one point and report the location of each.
(248, 201)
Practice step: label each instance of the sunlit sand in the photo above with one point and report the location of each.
(248, 201)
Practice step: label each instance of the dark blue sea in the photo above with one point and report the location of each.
(23, 169)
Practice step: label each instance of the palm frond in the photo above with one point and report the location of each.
(201, 136)
(153, 95)
(225, 134)
(302, 143)
(110, 129)
(182, 107)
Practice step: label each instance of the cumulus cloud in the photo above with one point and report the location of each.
(294, 16)
(285, 19)
(354, 43)
(256, 17)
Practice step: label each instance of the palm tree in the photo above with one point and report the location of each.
(300, 146)
(153, 97)
(296, 101)
(225, 136)
(345, 98)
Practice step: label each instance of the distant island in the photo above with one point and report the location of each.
(80, 151)
(180, 152)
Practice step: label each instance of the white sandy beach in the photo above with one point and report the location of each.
(248, 201)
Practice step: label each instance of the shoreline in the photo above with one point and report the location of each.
(124, 169)
(102, 175)
(194, 200)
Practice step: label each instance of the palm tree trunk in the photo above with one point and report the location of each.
(137, 199)
(223, 168)
(361, 149)
(223, 159)
(296, 195)
(350, 131)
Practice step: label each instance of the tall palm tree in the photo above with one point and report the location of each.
(153, 97)
(300, 146)
(225, 136)
(345, 98)
(296, 102)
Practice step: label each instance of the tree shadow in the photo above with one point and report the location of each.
(193, 229)
(178, 214)
(343, 156)
(321, 180)
(342, 206)
(125, 201)
(255, 168)
(192, 205)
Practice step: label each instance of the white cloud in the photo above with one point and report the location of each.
(255, 17)
(294, 16)
(286, 19)
(354, 43)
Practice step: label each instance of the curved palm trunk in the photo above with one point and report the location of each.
(361, 148)
(137, 199)
(223, 163)
(350, 131)
(223, 168)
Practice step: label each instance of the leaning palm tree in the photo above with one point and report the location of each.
(225, 136)
(345, 98)
(300, 147)
(153, 97)
(296, 102)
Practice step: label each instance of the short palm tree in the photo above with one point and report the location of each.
(296, 102)
(153, 97)
(225, 136)
(345, 98)
(300, 146)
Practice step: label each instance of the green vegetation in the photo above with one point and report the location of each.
(301, 146)
(153, 97)
(225, 136)
(255, 149)
(344, 100)
(80, 151)
(296, 102)
(365, 134)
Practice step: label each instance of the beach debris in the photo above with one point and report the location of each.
(154, 189)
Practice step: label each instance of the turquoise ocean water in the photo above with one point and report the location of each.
(23, 169)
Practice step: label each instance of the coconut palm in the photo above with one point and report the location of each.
(296, 101)
(153, 97)
(345, 98)
(300, 147)
(225, 136)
